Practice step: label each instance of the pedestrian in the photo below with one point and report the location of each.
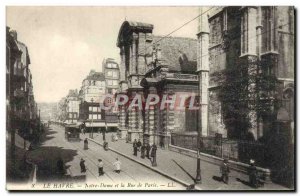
(82, 165)
(252, 172)
(224, 169)
(153, 154)
(117, 165)
(103, 133)
(127, 138)
(105, 145)
(100, 167)
(139, 144)
(148, 150)
(143, 148)
(83, 128)
(135, 147)
(86, 143)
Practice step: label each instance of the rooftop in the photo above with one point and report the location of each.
(93, 75)
(178, 53)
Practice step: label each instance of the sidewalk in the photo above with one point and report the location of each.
(165, 162)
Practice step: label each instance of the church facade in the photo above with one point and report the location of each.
(167, 68)
(248, 55)
(240, 67)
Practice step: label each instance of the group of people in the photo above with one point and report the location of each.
(145, 149)
(254, 179)
(100, 165)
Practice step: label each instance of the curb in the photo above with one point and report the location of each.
(149, 167)
(234, 165)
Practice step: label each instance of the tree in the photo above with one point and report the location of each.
(247, 93)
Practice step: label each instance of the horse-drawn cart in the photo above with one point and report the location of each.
(72, 133)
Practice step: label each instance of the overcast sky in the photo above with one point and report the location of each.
(65, 43)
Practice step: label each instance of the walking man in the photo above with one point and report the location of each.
(135, 147)
(224, 169)
(139, 144)
(252, 172)
(85, 144)
(82, 165)
(148, 150)
(153, 155)
(100, 167)
(117, 165)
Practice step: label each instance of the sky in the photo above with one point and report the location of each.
(65, 43)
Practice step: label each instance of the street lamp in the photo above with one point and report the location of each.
(199, 133)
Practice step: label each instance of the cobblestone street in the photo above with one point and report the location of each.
(54, 146)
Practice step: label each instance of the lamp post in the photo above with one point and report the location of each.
(199, 131)
(92, 100)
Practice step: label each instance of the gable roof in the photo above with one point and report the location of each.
(178, 53)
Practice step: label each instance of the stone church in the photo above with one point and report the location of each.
(241, 67)
(156, 65)
(248, 55)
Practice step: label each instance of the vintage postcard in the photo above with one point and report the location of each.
(150, 98)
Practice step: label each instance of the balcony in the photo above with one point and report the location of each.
(179, 76)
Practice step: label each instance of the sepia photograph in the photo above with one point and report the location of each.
(150, 98)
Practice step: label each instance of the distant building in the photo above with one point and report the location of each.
(72, 103)
(93, 86)
(92, 89)
(112, 75)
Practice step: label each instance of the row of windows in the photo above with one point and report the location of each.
(112, 82)
(95, 116)
(114, 74)
(94, 90)
(94, 83)
(94, 109)
(111, 65)
(74, 115)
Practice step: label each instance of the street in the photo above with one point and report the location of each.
(54, 145)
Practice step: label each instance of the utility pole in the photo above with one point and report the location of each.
(92, 100)
(203, 74)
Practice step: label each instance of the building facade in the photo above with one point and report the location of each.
(72, 107)
(246, 83)
(167, 69)
(92, 90)
(22, 114)
(111, 71)
(257, 43)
